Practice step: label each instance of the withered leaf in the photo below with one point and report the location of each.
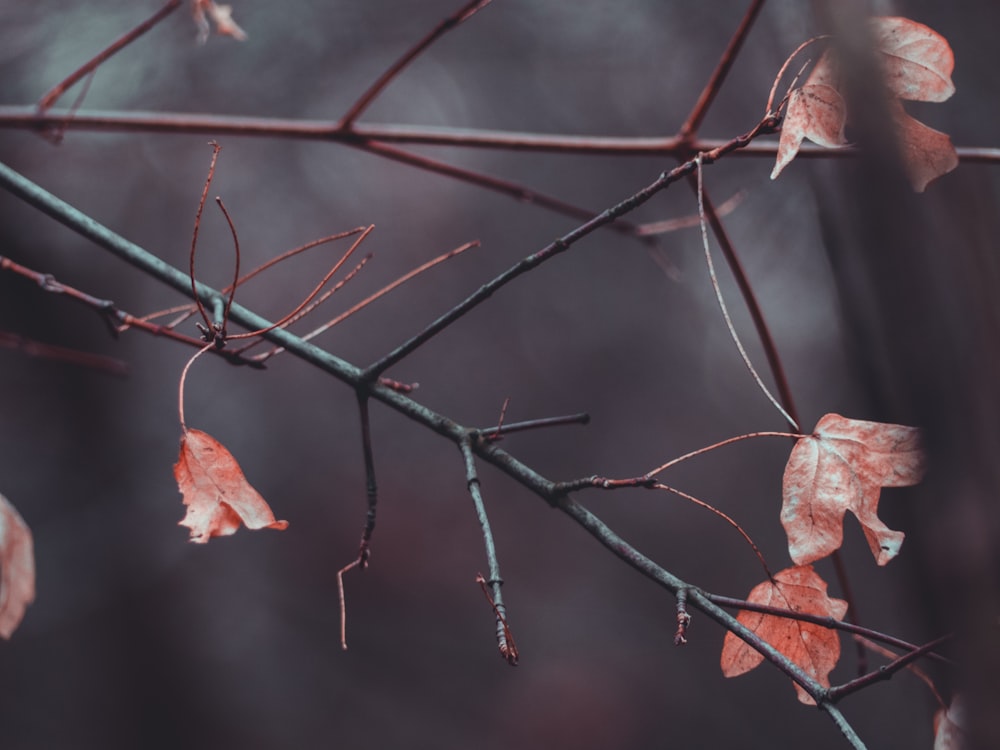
(17, 568)
(812, 647)
(842, 467)
(217, 495)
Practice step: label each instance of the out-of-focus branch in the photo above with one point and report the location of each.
(25, 117)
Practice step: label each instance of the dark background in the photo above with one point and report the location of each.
(141, 639)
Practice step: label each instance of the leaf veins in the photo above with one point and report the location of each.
(812, 647)
(842, 467)
(217, 495)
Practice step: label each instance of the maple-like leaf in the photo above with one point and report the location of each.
(842, 467)
(812, 647)
(917, 63)
(17, 568)
(217, 495)
(207, 13)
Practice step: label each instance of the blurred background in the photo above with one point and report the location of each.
(140, 639)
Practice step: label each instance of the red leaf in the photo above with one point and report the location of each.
(812, 647)
(918, 61)
(917, 64)
(218, 496)
(17, 568)
(842, 467)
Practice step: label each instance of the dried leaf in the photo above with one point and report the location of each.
(221, 16)
(217, 495)
(927, 153)
(17, 568)
(918, 61)
(842, 467)
(949, 729)
(815, 111)
(812, 647)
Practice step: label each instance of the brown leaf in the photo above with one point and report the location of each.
(217, 495)
(918, 61)
(815, 111)
(17, 568)
(927, 153)
(842, 467)
(812, 647)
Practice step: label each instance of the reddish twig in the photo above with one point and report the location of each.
(373, 297)
(216, 148)
(694, 120)
(295, 313)
(114, 121)
(446, 25)
(50, 97)
(91, 361)
(826, 622)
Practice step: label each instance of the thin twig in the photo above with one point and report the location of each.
(824, 621)
(728, 519)
(885, 672)
(493, 433)
(373, 297)
(449, 23)
(504, 640)
(720, 444)
(561, 245)
(708, 94)
(371, 499)
(722, 304)
(50, 97)
(24, 117)
(89, 360)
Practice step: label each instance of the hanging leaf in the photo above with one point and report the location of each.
(842, 467)
(815, 111)
(208, 13)
(917, 63)
(217, 495)
(17, 568)
(812, 647)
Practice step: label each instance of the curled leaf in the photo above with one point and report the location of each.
(918, 61)
(817, 112)
(842, 467)
(17, 568)
(812, 647)
(927, 153)
(217, 495)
